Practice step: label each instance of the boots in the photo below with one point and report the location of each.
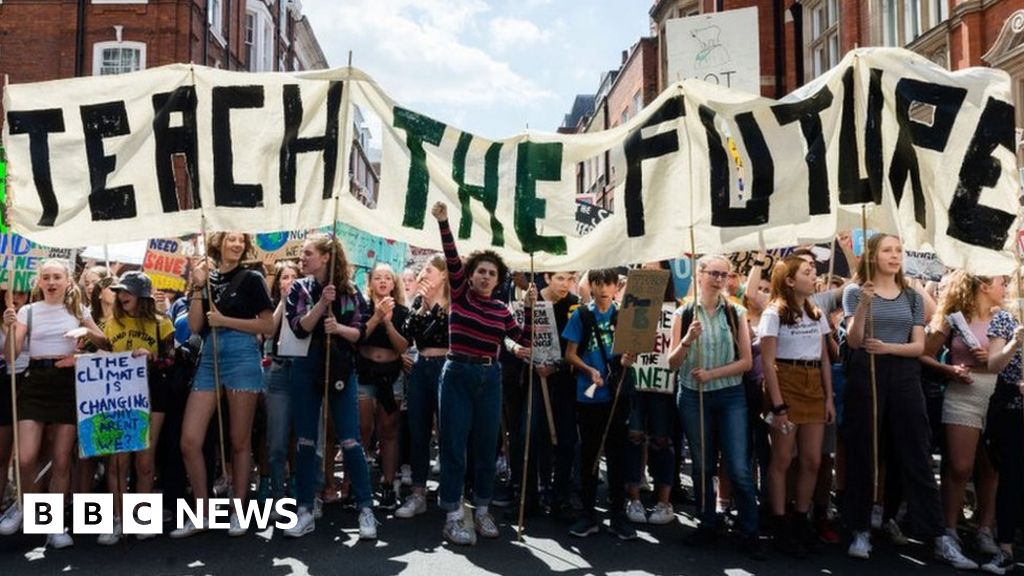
(784, 536)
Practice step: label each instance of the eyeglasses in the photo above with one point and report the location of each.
(717, 275)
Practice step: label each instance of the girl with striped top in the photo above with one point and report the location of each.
(470, 393)
(896, 340)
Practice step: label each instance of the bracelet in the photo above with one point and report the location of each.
(780, 409)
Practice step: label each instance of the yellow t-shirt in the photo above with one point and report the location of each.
(129, 333)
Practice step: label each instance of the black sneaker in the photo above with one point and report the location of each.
(585, 526)
(753, 548)
(622, 527)
(388, 499)
(701, 537)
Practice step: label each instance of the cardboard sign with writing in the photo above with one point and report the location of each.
(112, 401)
(637, 327)
(923, 265)
(546, 349)
(650, 371)
(26, 257)
(167, 263)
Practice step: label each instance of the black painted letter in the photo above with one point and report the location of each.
(637, 149)
(101, 121)
(225, 191)
(292, 145)
(170, 141)
(38, 124)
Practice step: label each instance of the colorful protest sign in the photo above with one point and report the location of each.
(546, 347)
(651, 372)
(167, 263)
(588, 216)
(274, 246)
(112, 400)
(25, 257)
(637, 327)
(3, 191)
(809, 161)
(742, 262)
(682, 276)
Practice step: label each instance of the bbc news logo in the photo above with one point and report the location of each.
(143, 513)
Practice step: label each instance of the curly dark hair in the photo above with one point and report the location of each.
(491, 256)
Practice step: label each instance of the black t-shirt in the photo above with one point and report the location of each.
(247, 301)
(379, 337)
(563, 311)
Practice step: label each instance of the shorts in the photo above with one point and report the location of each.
(967, 404)
(47, 395)
(367, 391)
(240, 363)
(802, 391)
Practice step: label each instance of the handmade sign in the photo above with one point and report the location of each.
(650, 371)
(546, 347)
(637, 327)
(923, 265)
(112, 399)
(167, 263)
(929, 153)
(21, 259)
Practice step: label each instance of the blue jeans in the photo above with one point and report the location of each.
(238, 362)
(307, 387)
(279, 420)
(470, 408)
(424, 381)
(725, 429)
(652, 419)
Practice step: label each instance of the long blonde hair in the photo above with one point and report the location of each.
(961, 296)
(72, 295)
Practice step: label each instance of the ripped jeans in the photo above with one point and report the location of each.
(307, 390)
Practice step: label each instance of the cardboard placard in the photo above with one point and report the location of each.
(546, 349)
(112, 402)
(650, 371)
(637, 327)
(167, 263)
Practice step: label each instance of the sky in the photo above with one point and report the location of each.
(491, 67)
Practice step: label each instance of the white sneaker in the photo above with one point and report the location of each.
(10, 522)
(59, 541)
(947, 550)
(189, 529)
(235, 527)
(861, 546)
(485, 525)
(414, 505)
(1001, 563)
(635, 512)
(406, 475)
(894, 533)
(663, 513)
(435, 467)
(456, 532)
(986, 543)
(113, 537)
(305, 525)
(367, 525)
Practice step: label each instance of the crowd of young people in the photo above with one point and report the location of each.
(789, 395)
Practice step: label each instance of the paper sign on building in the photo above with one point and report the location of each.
(721, 48)
(637, 327)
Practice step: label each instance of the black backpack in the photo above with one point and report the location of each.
(592, 330)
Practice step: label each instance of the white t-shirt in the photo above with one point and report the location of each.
(800, 341)
(49, 324)
(21, 362)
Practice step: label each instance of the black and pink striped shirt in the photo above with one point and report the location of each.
(477, 326)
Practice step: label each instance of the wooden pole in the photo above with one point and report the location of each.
(216, 356)
(11, 361)
(698, 363)
(529, 411)
(869, 331)
(548, 411)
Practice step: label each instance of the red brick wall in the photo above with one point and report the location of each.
(639, 74)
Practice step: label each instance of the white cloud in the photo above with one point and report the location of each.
(418, 51)
(515, 32)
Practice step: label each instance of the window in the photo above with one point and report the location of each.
(282, 20)
(911, 20)
(823, 36)
(638, 102)
(938, 12)
(215, 17)
(118, 57)
(259, 37)
(903, 21)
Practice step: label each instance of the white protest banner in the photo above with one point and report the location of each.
(928, 151)
(546, 347)
(23, 257)
(636, 329)
(720, 47)
(650, 371)
(112, 399)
